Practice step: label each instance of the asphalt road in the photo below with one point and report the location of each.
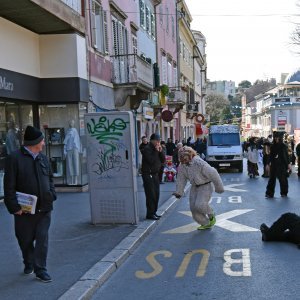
(75, 245)
(227, 262)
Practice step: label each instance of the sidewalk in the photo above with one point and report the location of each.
(75, 247)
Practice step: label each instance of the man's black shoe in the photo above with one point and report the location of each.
(152, 217)
(44, 277)
(283, 195)
(28, 270)
(156, 215)
(268, 196)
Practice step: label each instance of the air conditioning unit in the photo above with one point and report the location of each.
(191, 107)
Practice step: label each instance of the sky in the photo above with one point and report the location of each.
(247, 46)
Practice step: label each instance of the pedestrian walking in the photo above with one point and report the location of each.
(266, 156)
(176, 156)
(170, 147)
(203, 178)
(27, 170)
(161, 171)
(252, 158)
(279, 166)
(285, 229)
(153, 158)
(143, 144)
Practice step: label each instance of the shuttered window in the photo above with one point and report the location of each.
(99, 28)
(164, 69)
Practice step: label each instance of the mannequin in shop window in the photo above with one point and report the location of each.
(12, 141)
(72, 148)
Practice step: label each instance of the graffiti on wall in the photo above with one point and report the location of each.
(112, 154)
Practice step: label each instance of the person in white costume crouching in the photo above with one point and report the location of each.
(203, 179)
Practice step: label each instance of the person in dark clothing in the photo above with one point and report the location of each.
(176, 161)
(200, 147)
(279, 166)
(285, 229)
(27, 170)
(143, 144)
(153, 158)
(161, 171)
(170, 146)
(298, 157)
(266, 156)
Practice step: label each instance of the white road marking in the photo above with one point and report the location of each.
(222, 221)
(231, 187)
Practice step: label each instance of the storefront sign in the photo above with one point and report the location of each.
(6, 85)
(148, 113)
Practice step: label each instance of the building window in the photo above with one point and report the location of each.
(164, 69)
(153, 26)
(161, 13)
(142, 14)
(175, 76)
(134, 44)
(167, 19)
(173, 28)
(99, 28)
(148, 24)
(170, 71)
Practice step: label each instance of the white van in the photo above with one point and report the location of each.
(224, 149)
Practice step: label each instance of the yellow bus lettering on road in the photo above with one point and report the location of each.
(157, 268)
(187, 259)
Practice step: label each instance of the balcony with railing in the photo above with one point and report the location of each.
(45, 17)
(130, 69)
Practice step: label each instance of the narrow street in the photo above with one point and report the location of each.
(227, 262)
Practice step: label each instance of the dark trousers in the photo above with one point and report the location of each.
(151, 187)
(286, 229)
(32, 235)
(283, 181)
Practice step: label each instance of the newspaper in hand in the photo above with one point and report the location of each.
(27, 202)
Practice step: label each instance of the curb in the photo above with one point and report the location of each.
(95, 277)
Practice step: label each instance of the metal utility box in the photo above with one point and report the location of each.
(112, 167)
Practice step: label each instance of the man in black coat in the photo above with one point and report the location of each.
(170, 146)
(279, 166)
(28, 171)
(285, 229)
(153, 158)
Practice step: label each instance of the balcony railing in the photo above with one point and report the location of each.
(130, 68)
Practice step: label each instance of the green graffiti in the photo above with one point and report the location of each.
(107, 133)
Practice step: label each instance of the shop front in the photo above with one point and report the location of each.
(56, 106)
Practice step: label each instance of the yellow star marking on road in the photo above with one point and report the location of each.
(222, 221)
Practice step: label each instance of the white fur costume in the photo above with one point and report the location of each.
(199, 172)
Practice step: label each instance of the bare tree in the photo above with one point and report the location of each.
(295, 37)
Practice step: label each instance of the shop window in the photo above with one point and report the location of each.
(65, 147)
(13, 120)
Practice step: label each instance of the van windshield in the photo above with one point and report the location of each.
(221, 139)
